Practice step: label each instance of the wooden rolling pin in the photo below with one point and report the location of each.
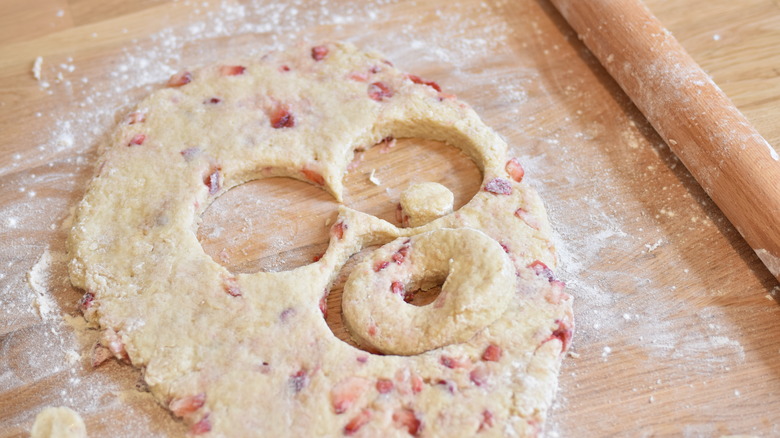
(737, 168)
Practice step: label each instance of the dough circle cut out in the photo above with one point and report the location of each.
(248, 354)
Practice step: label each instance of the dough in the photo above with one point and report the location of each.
(251, 354)
(58, 422)
(422, 203)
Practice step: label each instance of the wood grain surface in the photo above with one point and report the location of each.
(677, 319)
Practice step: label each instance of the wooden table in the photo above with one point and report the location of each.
(676, 316)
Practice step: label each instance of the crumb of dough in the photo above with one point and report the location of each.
(36, 70)
(59, 422)
(373, 178)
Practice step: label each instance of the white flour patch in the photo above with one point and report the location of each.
(772, 151)
(38, 277)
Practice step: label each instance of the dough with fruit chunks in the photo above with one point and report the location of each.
(247, 354)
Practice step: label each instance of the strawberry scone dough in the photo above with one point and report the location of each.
(251, 354)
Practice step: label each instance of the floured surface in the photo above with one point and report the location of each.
(676, 316)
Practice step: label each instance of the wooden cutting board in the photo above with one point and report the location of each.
(676, 317)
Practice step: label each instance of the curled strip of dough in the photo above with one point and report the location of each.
(480, 282)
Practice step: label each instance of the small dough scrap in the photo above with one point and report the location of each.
(59, 422)
(425, 202)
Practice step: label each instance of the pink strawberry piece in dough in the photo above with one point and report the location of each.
(400, 255)
(381, 265)
(211, 180)
(281, 117)
(515, 169)
(137, 140)
(498, 186)
(184, 406)
(487, 420)
(387, 144)
(417, 384)
(479, 375)
(213, 100)
(318, 53)
(86, 301)
(406, 418)
(418, 80)
(299, 380)
(180, 79)
(114, 343)
(284, 68)
(357, 422)
(451, 362)
(189, 154)
(358, 76)
(542, 270)
(400, 217)
(492, 353)
(407, 382)
(344, 394)
(324, 304)
(136, 117)
(563, 333)
(449, 384)
(398, 288)
(379, 91)
(556, 295)
(287, 314)
(232, 70)
(384, 386)
(230, 284)
(313, 176)
(338, 230)
(528, 218)
(202, 426)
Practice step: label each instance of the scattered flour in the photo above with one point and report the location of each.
(38, 279)
(458, 50)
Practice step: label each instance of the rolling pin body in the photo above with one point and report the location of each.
(737, 168)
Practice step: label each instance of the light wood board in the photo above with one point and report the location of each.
(676, 321)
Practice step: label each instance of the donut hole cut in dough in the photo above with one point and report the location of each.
(270, 225)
